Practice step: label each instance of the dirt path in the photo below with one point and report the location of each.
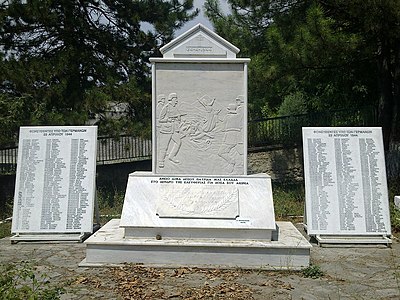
(349, 273)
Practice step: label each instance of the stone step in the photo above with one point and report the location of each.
(109, 247)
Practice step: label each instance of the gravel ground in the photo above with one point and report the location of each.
(348, 273)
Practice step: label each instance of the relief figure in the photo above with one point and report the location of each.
(233, 135)
(202, 129)
(170, 127)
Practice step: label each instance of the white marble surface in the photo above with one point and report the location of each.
(199, 127)
(256, 210)
(55, 181)
(207, 201)
(108, 246)
(199, 92)
(199, 41)
(397, 201)
(345, 180)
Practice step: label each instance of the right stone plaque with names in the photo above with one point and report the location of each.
(345, 181)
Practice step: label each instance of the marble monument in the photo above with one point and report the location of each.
(198, 206)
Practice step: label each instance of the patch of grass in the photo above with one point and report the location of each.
(313, 271)
(395, 218)
(110, 204)
(6, 208)
(5, 229)
(289, 199)
(19, 281)
(394, 190)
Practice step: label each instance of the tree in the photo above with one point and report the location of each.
(378, 23)
(65, 54)
(337, 54)
(297, 50)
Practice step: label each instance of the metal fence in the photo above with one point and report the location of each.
(286, 130)
(122, 148)
(8, 160)
(110, 150)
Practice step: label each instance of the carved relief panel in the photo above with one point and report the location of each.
(199, 118)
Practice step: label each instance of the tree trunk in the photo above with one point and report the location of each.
(395, 132)
(386, 103)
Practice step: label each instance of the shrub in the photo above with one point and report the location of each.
(19, 281)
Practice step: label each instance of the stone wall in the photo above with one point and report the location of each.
(281, 164)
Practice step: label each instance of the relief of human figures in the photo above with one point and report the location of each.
(198, 127)
(203, 128)
(170, 126)
(233, 136)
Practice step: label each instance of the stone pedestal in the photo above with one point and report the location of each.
(109, 246)
(198, 207)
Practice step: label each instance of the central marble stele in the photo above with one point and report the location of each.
(199, 185)
(199, 106)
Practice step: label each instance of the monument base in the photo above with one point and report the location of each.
(353, 240)
(108, 247)
(198, 207)
(51, 237)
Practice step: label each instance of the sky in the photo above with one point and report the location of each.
(201, 18)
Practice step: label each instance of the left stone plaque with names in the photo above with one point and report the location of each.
(55, 182)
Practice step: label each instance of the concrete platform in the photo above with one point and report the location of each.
(109, 247)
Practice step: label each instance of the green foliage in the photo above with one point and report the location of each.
(138, 108)
(289, 199)
(6, 208)
(20, 281)
(62, 61)
(394, 190)
(299, 48)
(12, 114)
(293, 104)
(395, 218)
(313, 271)
(5, 229)
(110, 202)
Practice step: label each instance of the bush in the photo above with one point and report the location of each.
(313, 271)
(19, 281)
(293, 104)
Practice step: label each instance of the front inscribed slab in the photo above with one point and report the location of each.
(345, 180)
(199, 118)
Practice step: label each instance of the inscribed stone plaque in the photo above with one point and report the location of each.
(345, 180)
(192, 201)
(254, 205)
(55, 181)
